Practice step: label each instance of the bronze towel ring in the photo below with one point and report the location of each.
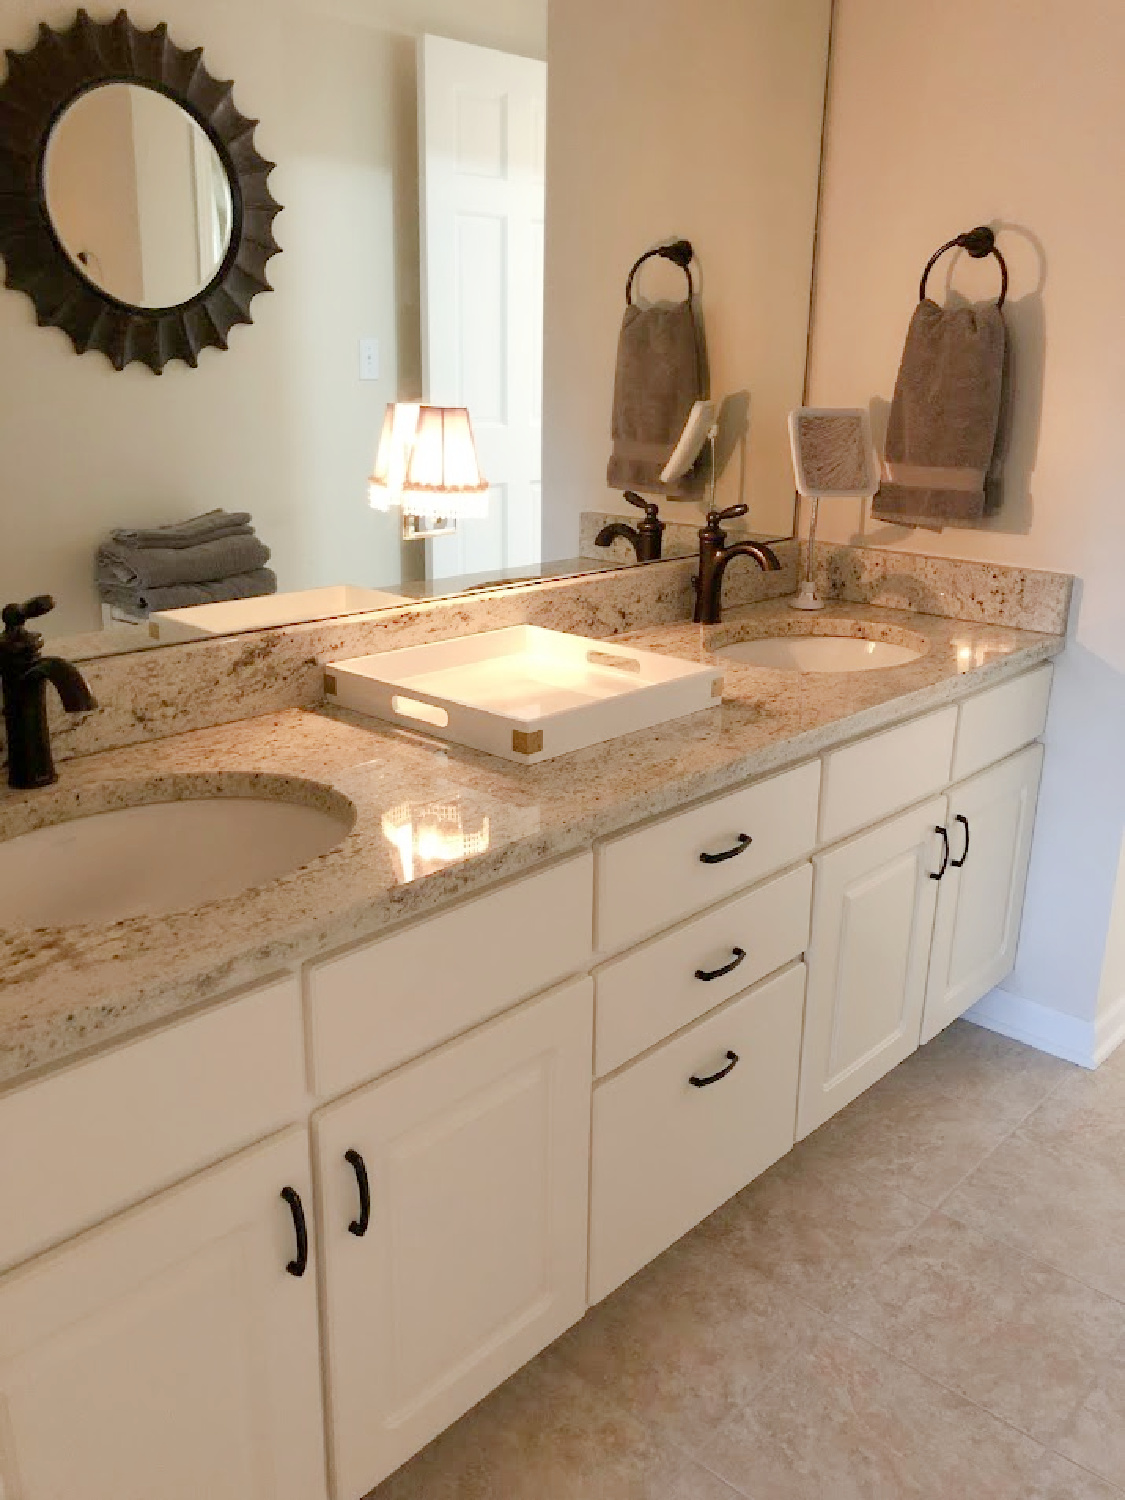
(978, 242)
(679, 252)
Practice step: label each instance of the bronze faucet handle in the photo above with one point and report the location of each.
(732, 513)
(650, 508)
(16, 616)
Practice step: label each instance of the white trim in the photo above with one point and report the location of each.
(1110, 1031)
(1087, 1043)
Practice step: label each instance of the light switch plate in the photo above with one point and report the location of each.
(369, 359)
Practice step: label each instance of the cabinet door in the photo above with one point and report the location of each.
(454, 1207)
(981, 901)
(873, 918)
(169, 1355)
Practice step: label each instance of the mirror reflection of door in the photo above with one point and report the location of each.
(483, 132)
(138, 196)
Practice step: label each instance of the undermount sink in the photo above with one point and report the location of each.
(160, 857)
(823, 651)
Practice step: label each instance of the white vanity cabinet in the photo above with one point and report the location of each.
(515, 1103)
(453, 1228)
(991, 821)
(170, 1354)
(690, 1124)
(918, 918)
(873, 920)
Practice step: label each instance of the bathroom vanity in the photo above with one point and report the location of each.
(457, 1092)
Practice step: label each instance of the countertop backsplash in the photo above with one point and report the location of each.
(151, 695)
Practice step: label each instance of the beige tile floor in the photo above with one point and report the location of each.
(924, 1301)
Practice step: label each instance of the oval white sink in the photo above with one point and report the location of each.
(819, 653)
(158, 858)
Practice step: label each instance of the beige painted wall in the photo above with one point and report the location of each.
(281, 425)
(667, 119)
(1010, 113)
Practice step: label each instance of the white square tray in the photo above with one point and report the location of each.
(523, 693)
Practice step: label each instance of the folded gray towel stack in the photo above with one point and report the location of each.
(208, 527)
(661, 374)
(944, 418)
(204, 560)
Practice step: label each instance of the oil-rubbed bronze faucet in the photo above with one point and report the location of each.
(647, 538)
(24, 675)
(714, 556)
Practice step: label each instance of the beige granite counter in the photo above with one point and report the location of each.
(433, 822)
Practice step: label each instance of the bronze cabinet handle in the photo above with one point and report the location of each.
(707, 975)
(300, 1264)
(744, 842)
(959, 864)
(705, 1083)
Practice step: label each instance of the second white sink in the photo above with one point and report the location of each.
(819, 653)
(158, 858)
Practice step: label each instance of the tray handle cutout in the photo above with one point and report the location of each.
(424, 713)
(610, 659)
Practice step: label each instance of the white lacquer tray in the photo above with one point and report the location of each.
(523, 693)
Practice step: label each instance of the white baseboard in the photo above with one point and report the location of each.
(1087, 1043)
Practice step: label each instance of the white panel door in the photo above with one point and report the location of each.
(868, 957)
(483, 134)
(169, 1354)
(992, 819)
(471, 1256)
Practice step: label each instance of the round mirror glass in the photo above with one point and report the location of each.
(138, 195)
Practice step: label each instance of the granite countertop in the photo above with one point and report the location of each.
(434, 822)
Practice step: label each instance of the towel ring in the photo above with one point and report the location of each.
(679, 252)
(978, 242)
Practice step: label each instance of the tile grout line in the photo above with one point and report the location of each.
(657, 1431)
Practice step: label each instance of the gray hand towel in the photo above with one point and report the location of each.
(209, 527)
(661, 373)
(158, 567)
(944, 417)
(183, 595)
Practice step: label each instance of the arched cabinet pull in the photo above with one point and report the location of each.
(945, 852)
(744, 842)
(959, 864)
(360, 1226)
(299, 1265)
(707, 975)
(705, 1083)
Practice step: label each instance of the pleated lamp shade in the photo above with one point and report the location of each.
(427, 463)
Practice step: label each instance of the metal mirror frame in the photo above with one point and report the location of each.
(41, 85)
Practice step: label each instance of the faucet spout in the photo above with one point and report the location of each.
(67, 681)
(609, 534)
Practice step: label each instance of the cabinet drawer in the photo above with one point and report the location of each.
(868, 781)
(658, 989)
(660, 874)
(1001, 721)
(377, 1006)
(79, 1146)
(666, 1153)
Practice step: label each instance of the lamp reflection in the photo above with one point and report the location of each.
(972, 654)
(433, 835)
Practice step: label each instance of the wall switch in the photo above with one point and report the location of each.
(369, 359)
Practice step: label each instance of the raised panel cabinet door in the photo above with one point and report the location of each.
(992, 819)
(453, 1200)
(873, 919)
(170, 1354)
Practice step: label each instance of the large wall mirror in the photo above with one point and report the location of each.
(466, 184)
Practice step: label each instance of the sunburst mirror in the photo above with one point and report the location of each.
(135, 210)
